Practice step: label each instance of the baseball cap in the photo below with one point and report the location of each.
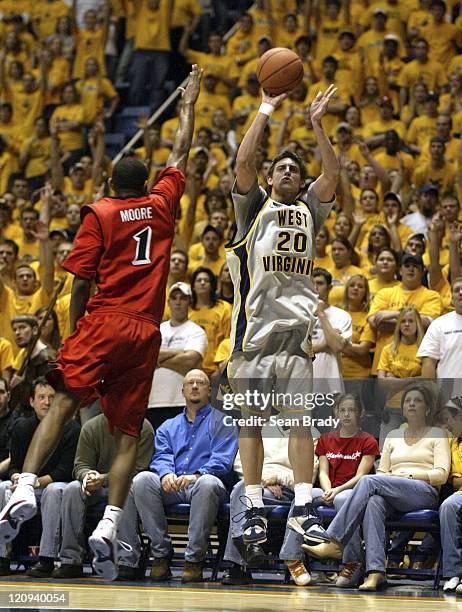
(409, 258)
(347, 33)
(393, 37)
(77, 166)
(380, 11)
(343, 125)
(183, 287)
(429, 187)
(267, 38)
(432, 97)
(198, 150)
(391, 195)
(59, 232)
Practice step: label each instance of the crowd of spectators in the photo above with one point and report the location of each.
(388, 265)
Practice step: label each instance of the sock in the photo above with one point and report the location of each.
(303, 493)
(27, 479)
(114, 514)
(255, 494)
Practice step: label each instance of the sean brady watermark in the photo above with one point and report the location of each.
(280, 421)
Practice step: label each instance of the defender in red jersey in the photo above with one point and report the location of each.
(124, 246)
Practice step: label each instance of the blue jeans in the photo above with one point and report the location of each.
(451, 535)
(374, 499)
(148, 72)
(204, 496)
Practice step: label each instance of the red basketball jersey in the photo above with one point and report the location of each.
(124, 244)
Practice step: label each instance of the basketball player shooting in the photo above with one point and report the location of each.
(124, 244)
(270, 260)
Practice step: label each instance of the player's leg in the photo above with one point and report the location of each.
(103, 540)
(22, 504)
(247, 374)
(251, 451)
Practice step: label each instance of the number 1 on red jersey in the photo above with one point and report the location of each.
(143, 247)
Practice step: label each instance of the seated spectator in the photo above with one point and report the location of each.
(183, 347)
(25, 328)
(93, 459)
(415, 463)
(333, 330)
(7, 420)
(441, 348)
(345, 455)
(225, 285)
(450, 509)
(278, 488)
(52, 478)
(50, 331)
(345, 260)
(388, 302)
(192, 463)
(210, 313)
(398, 362)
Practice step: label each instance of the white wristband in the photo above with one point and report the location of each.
(266, 109)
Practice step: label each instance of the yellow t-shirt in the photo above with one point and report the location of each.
(329, 120)
(441, 37)
(207, 103)
(327, 35)
(70, 140)
(169, 129)
(405, 364)
(223, 351)
(375, 285)
(89, 44)
(421, 130)
(340, 276)
(216, 321)
(359, 367)
(431, 73)
(6, 354)
(39, 156)
(12, 304)
(215, 64)
(152, 27)
(397, 15)
(184, 11)
(76, 196)
(7, 167)
(196, 255)
(46, 15)
(26, 108)
(444, 177)
(380, 127)
(93, 92)
(62, 312)
(241, 47)
(427, 302)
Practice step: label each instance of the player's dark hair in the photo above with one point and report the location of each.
(12, 244)
(294, 157)
(41, 381)
(129, 176)
(324, 273)
(213, 286)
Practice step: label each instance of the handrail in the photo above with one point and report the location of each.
(157, 113)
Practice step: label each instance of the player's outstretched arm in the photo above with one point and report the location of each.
(324, 185)
(246, 172)
(179, 155)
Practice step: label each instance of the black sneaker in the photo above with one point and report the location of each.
(43, 569)
(235, 575)
(254, 527)
(67, 570)
(128, 573)
(5, 569)
(306, 521)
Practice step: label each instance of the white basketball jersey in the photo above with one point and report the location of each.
(271, 266)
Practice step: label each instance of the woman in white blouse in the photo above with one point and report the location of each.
(415, 462)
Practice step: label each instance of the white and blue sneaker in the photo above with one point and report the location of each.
(21, 507)
(306, 521)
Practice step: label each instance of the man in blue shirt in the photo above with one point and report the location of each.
(193, 459)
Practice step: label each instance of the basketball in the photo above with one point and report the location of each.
(279, 70)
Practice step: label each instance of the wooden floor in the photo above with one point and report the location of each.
(93, 594)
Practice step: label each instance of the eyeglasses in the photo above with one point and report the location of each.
(198, 383)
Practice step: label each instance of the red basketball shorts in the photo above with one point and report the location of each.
(112, 356)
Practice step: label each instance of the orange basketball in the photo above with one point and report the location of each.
(279, 70)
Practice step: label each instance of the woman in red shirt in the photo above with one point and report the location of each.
(345, 454)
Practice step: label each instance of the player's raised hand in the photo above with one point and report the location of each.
(320, 104)
(191, 92)
(275, 101)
